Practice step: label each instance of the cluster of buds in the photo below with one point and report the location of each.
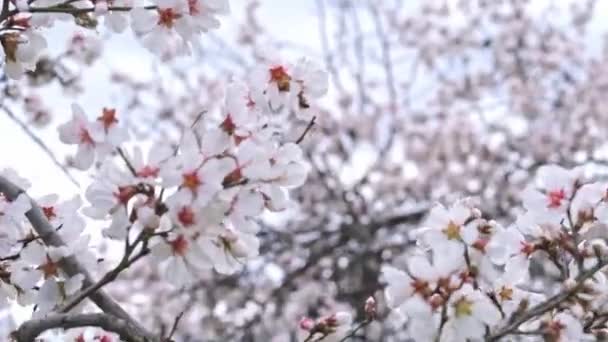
(338, 323)
(326, 325)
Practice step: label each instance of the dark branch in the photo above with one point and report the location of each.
(306, 130)
(70, 265)
(29, 330)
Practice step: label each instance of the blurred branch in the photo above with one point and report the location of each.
(329, 63)
(308, 127)
(39, 142)
(387, 64)
(353, 332)
(29, 330)
(4, 13)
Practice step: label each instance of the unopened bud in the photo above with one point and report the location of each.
(307, 323)
(436, 301)
(370, 308)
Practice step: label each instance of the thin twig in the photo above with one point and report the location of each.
(308, 127)
(310, 336)
(126, 261)
(40, 143)
(74, 10)
(352, 333)
(5, 4)
(198, 119)
(122, 155)
(174, 327)
(70, 265)
(549, 304)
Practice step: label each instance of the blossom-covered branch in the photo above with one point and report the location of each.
(29, 330)
(69, 264)
(550, 303)
(469, 277)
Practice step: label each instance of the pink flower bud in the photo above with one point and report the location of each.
(306, 323)
(370, 308)
(436, 301)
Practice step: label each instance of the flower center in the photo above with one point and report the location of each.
(50, 268)
(280, 77)
(555, 198)
(167, 17)
(420, 286)
(505, 293)
(463, 307)
(452, 231)
(108, 118)
(186, 216)
(228, 125)
(49, 212)
(179, 245)
(191, 180)
(250, 102)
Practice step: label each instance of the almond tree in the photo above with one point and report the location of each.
(435, 102)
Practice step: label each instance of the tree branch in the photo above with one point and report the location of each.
(4, 12)
(74, 10)
(549, 304)
(354, 331)
(29, 330)
(70, 265)
(38, 142)
(308, 127)
(124, 263)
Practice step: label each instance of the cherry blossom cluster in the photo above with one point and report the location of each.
(192, 206)
(31, 272)
(196, 202)
(165, 27)
(474, 279)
